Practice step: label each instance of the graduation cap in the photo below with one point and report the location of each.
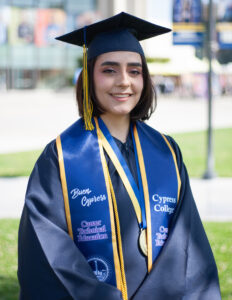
(121, 32)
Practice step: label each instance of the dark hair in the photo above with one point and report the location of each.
(142, 111)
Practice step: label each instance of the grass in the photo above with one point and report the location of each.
(18, 164)
(219, 235)
(194, 148)
(8, 259)
(192, 144)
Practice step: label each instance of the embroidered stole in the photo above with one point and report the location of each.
(90, 202)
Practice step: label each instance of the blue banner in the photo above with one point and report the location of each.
(188, 28)
(224, 25)
(91, 229)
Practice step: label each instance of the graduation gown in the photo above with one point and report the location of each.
(50, 266)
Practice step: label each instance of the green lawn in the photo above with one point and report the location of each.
(219, 235)
(18, 164)
(193, 147)
(8, 259)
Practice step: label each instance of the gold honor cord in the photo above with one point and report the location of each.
(124, 285)
(123, 176)
(64, 186)
(119, 266)
(146, 198)
(129, 188)
(176, 166)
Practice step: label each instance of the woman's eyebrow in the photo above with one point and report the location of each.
(114, 63)
(110, 63)
(135, 64)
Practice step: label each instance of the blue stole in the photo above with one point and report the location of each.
(90, 204)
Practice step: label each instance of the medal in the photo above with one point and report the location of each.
(143, 241)
(135, 191)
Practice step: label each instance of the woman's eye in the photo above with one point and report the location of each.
(109, 71)
(135, 72)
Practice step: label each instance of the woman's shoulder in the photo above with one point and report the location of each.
(154, 132)
(46, 163)
(176, 150)
(168, 139)
(49, 152)
(173, 144)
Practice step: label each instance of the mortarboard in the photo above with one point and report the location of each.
(121, 32)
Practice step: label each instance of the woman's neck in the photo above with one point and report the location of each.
(118, 126)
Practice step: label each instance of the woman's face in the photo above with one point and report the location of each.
(118, 81)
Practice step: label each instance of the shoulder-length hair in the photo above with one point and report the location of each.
(142, 111)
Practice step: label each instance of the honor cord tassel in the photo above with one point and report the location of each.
(123, 276)
(87, 104)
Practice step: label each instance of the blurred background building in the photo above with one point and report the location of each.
(30, 57)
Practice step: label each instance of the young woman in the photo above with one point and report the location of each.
(109, 212)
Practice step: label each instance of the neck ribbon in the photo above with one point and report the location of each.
(90, 204)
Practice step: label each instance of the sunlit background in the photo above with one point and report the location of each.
(31, 58)
(37, 102)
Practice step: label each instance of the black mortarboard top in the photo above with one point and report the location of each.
(121, 32)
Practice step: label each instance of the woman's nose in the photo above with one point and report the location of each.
(123, 79)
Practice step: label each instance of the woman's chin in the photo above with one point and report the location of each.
(120, 113)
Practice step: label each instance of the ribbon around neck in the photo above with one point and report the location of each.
(135, 193)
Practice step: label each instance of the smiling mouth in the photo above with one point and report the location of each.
(121, 96)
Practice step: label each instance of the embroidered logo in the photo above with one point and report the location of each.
(100, 268)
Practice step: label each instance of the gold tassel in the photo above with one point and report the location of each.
(87, 103)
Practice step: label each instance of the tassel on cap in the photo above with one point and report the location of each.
(87, 103)
(121, 32)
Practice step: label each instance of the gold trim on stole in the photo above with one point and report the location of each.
(64, 186)
(123, 275)
(146, 198)
(123, 176)
(176, 166)
(121, 284)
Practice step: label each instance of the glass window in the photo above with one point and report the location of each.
(80, 6)
(51, 3)
(4, 2)
(22, 3)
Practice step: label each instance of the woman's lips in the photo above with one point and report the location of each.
(121, 97)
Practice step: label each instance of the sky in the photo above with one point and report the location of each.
(161, 11)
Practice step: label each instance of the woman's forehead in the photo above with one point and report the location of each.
(120, 57)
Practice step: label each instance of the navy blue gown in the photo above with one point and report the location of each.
(51, 267)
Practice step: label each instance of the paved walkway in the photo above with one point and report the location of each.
(30, 119)
(213, 197)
